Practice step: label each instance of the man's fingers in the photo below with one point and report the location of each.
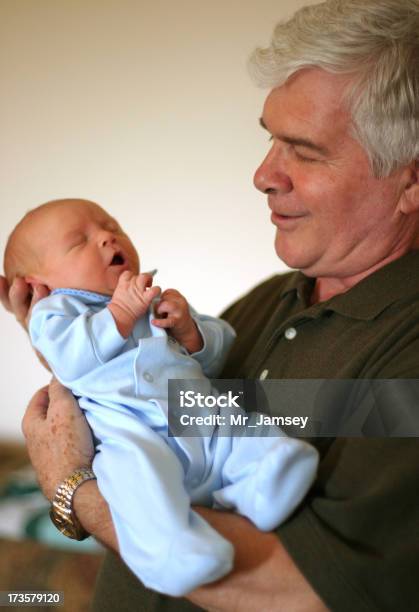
(4, 294)
(20, 298)
(37, 410)
(39, 292)
(58, 395)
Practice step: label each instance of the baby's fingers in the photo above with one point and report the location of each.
(172, 294)
(125, 278)
(143, 282)
(151, 294)
(167, 307)
(166, 323)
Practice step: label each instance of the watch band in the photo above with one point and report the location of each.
(61, 511)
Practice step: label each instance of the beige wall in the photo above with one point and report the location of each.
(147, 108)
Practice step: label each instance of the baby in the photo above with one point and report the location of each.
(110, 337)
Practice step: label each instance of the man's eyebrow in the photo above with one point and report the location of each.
(302, 142)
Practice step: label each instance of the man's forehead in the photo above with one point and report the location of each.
(312, 101)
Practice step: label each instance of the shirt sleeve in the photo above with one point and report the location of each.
(72, 338)
(218, 337)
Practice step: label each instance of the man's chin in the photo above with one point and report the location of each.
(289, 254)
(295, 257)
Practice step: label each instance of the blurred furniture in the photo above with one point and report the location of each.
(34, 557)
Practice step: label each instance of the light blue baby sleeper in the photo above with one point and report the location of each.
(148, 478)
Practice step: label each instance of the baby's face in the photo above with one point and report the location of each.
(80, 246)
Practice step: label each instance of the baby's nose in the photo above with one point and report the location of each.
(106, 238)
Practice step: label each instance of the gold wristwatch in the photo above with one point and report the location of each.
(62, 513)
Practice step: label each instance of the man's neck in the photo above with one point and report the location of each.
(325, 288)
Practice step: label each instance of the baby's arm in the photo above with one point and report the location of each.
(218, 338)
(131, 300)
(72, 338)
(178, 320)
(207, 338)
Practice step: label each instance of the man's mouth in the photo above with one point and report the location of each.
(286, 222)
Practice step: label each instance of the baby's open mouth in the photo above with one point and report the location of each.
(117, 260)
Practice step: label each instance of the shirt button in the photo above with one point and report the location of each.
(264, 375)
(290, 333)
(148, 377)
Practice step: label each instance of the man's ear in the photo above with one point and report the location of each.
(410, 198)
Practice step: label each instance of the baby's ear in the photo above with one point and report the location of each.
(32, 281)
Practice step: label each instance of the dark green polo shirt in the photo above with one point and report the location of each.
(356, 535)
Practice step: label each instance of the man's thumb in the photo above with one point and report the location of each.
(36, 410)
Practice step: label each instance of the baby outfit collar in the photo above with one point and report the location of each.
(92, 297)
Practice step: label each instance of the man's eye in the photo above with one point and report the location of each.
(303, 158)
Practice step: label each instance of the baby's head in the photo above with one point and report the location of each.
(70, 243)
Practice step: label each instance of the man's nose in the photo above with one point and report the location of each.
(271, 176)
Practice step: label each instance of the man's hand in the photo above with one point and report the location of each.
(177, 319)
(264, 575)
(57, 436)
(131, 300)
(20, 298)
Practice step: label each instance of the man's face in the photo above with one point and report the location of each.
(81, 247)
(333, 217)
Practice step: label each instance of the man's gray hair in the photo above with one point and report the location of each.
(376, 41)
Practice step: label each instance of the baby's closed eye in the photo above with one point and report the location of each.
(77, 242)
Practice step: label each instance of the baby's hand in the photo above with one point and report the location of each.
(131, 300)
(178, 321)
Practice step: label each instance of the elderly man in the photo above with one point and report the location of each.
(342, 184)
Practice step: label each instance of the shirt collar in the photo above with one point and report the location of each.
(367, 299)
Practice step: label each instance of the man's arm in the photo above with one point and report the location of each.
(264, 576)
(59, 441)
